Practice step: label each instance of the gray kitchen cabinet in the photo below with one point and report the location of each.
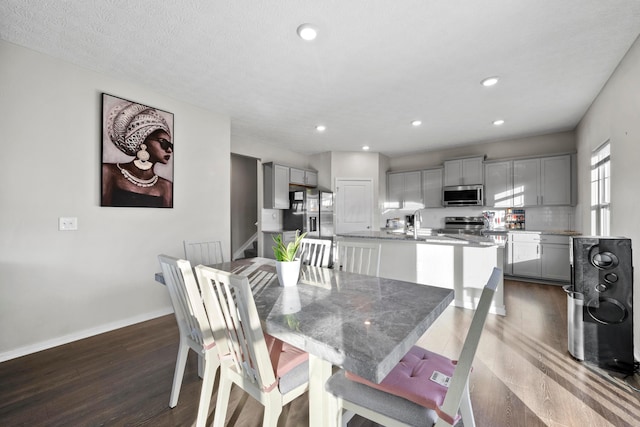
(540, 256)
(404, 190)
(303, 177)
(554, 258)
(463, 171)
(498, 184)
(276, 186)
(542, 181)
(526, 182)
(555, 180)
(508, 256)
(525, 249)
(432, 188)
(311, 178)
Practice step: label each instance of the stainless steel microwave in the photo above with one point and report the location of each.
(463, 195)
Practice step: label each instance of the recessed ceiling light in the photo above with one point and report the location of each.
(307, 32)
(321, 128)
(489, 81)
(498, 122)
(416, 123)
(365, 147)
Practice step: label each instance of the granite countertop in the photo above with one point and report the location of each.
(425, 236)
(556, 232)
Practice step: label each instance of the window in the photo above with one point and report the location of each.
(601, 190)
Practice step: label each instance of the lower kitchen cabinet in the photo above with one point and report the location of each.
(554, 257)
(540, 256)
(525, 248)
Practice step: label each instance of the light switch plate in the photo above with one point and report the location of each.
(67, 223)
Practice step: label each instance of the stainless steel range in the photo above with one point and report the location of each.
(463, 225)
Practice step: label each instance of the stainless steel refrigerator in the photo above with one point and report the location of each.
(310, 211)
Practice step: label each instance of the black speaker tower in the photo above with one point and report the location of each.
(602, 271)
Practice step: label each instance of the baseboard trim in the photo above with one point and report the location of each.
(66, 339)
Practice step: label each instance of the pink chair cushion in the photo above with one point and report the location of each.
(290, 357)
(410, 379)
(284, 357)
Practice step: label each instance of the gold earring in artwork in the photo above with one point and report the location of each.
(142, 158)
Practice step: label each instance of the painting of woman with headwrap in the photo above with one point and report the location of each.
(137, 154)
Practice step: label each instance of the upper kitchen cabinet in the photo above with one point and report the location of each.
(555, 180)
(276, 186)
(463, 171)
(498, 184)
(404, 190)
(307, 178)
(432, 188)
(543, 181)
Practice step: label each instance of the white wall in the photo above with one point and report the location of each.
(615, 116)
(57, 286)
(268, 153)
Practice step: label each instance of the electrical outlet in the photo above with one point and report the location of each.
(67, 223)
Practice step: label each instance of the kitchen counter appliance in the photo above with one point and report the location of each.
(310, 211)
(463, 225)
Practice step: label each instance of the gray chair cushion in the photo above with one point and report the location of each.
(394, 407)
(295, 377)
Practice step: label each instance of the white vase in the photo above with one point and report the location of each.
(288, 272)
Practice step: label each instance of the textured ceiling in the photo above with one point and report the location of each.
(375, 66)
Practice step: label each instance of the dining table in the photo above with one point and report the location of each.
(364, 324)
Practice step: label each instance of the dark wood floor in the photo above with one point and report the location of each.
(523, 376)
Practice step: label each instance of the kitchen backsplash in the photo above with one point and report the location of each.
(537, 218)
(551, 218)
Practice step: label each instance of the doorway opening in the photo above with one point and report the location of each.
(244, 206)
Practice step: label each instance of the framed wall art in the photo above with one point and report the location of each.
(137, 155)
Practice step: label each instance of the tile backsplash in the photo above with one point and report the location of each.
(537, 218)
(550, 218)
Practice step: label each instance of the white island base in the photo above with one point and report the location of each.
(463, 267)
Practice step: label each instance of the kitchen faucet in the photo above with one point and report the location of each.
(417, 220)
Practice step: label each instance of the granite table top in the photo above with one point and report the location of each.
(364, 324)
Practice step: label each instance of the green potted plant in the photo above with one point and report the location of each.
(287, 266)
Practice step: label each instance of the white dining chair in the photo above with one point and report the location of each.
(195, 330)
(359, 257)
(425, 388)
(203, 252)
(272, 372)
(315, 252)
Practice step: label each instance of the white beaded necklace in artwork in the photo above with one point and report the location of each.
(137, 181)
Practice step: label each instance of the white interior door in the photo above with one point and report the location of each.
(354, 205)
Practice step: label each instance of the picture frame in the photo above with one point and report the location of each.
(137, 154)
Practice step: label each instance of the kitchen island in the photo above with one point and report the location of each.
(460, 262)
